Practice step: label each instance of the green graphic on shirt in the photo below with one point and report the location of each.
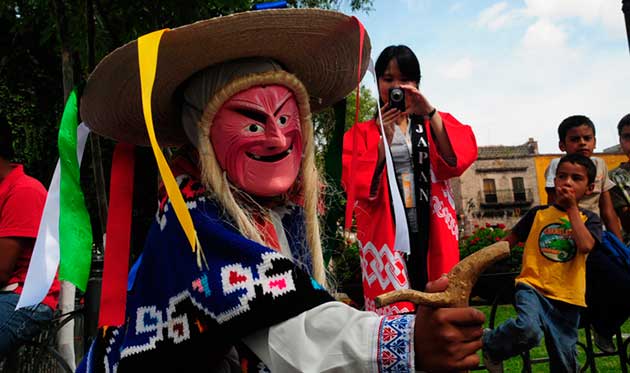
(555, 241)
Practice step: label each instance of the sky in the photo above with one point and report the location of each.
(513, 69)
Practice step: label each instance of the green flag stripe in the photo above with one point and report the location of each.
(75, 230)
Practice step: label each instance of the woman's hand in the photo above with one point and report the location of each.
(446, 339)
(416, 102)
(419, 105)
(390, 116)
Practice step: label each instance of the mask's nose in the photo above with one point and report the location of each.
(274, 135)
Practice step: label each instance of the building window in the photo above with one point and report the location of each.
(518, 187)
(490, 191)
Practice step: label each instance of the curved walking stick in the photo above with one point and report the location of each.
(460, 280)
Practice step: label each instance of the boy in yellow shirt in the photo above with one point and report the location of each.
(577, 135)
(550, 291)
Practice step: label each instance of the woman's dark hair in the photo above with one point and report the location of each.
(406, 59)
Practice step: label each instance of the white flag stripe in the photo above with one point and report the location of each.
(45, 258)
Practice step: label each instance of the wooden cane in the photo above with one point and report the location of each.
(461, 280)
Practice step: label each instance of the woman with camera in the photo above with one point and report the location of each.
(428, 147)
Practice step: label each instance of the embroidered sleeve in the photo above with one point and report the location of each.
(395, 350)
(336, 337)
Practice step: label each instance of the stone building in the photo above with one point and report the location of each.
(498, 188)
(505, 182)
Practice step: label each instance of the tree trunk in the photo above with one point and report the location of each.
(67, 66)
(65, 336)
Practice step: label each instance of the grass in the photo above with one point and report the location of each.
(515, 364)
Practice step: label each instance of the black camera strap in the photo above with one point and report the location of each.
(419, 242)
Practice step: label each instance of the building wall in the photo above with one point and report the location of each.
(468, 188)
(468, 191)
(543, 160)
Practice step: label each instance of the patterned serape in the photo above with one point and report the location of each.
(187, 318)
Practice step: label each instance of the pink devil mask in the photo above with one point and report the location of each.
(257, 140)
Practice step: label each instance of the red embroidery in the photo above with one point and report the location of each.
(235, 278)
(280, 284)
(389, 334)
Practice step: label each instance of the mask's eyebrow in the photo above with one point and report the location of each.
(247, 108)
(251, 113)
(281, 103)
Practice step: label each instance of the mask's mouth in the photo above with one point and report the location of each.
(271, 158)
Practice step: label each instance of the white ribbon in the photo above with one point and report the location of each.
(45, 258)
(401, 241)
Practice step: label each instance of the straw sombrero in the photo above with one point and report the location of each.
(320, 47)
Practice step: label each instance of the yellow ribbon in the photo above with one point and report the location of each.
(148, 46)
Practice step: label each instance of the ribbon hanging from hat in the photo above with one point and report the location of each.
(116, 264)
(64, 239)
(148, 46)
(113, 297)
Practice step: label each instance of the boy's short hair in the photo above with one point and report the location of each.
(572, 122)
(6, 142)
(625, 121)
(577, 158)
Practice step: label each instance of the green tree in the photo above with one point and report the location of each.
(367, 106)
(330, 126)
(325, 123)
(50, 46)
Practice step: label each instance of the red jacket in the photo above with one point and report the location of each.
(383, 267)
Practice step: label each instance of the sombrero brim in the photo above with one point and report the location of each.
(320, 47)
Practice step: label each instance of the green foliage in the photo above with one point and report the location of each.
(324, 121)
(347, 264)
(37, 35)
(330, 4)
(367, 106)
(328, 141)
(27, 85)
(486, 236)
(480, 238)
(31, 35)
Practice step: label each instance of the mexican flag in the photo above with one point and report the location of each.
(64, 240)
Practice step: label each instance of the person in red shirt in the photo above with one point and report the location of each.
(22, 200)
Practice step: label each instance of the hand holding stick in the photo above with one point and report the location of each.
(447, 333)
